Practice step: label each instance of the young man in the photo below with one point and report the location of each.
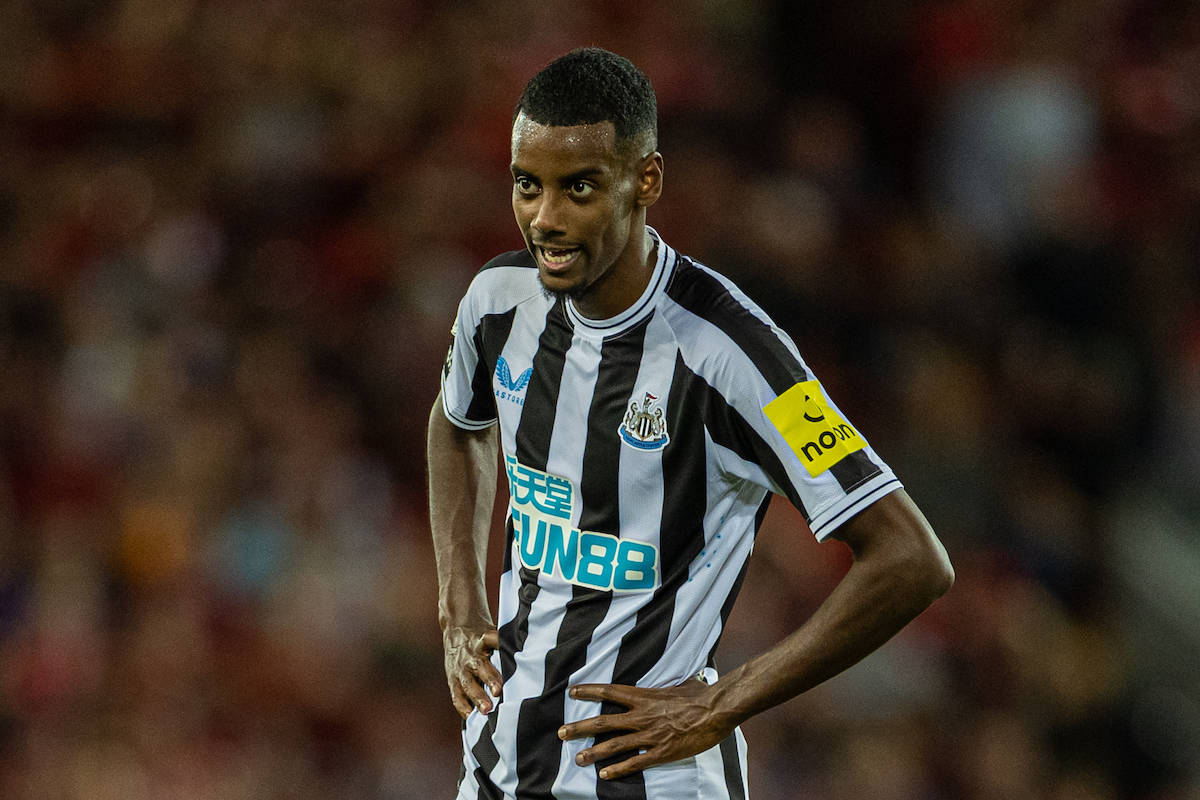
(645, 410)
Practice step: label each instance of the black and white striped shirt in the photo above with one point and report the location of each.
(641, 452)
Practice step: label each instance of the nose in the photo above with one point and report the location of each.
(547, 218)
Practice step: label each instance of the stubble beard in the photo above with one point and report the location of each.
(560, 295)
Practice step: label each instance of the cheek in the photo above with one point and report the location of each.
(522, 216)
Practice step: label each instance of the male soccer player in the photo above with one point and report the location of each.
(645, 410)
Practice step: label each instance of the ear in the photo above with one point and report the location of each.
(649, 180)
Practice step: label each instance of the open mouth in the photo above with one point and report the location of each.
(558, 259)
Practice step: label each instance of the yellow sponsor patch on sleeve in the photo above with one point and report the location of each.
(817, 435)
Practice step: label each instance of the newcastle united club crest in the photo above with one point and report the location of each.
(645, 428)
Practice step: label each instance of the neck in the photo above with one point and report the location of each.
(621, 286)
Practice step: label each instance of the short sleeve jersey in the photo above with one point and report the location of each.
(641, 452)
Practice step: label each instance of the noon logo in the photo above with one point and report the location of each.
(816, 433)
(510, 388)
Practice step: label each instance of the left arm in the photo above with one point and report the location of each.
(899, 568)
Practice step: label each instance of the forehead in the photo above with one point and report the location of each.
(565, 148)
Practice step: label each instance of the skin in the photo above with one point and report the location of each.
(577, 189)
(463, 465)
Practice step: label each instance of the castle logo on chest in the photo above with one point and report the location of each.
(645, 426)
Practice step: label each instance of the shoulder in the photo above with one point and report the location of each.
(722, 330)
(513, 258)
(698, 295)
(711, 296)
(502, 283)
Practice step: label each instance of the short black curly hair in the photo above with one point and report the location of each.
(589, 85)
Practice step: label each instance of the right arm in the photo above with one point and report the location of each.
(462, 491)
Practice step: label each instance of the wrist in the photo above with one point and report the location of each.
(726, 705)
(460, 610)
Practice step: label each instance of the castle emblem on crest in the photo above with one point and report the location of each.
(645, 427)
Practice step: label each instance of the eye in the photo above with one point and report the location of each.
(582, 189)
(525, 185)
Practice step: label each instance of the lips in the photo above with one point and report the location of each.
(557, 259)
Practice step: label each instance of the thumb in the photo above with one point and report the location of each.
(491, 639)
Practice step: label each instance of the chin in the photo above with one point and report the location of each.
(561, 289)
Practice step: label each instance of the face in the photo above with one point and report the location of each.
(580, 202)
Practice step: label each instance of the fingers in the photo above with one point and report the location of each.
(604, 723)
(487, 674)
(469, 669)
(630, 765)
(474, 692)
(612, 692)
(461, 704)
(622, 744)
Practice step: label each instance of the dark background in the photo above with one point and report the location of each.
(232, 239)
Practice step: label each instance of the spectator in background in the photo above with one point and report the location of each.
(214, 218)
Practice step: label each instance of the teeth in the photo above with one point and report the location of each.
(558, 256)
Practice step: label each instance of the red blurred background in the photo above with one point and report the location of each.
(232, 239)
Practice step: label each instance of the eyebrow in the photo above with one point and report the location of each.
(586, 172)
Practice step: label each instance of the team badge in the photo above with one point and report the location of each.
(645, 428)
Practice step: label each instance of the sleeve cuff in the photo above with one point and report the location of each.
(830, 519)
(461, 421)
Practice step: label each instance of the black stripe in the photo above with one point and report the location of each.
(615, 377)
(514, 632)
(727, 608)
(761, 514)
(685, 478)
(539, 748)
(854, 470)
(489, 339)
(681, 540)
(509, 536)
(533, 450)
(538, 745)
(513, 258)
(702, 294)
(487, 789)
(533, 444)
(706, 297)
(541, 397)
(537, 763)
(730, 429)
(734, 782)
(487, 757)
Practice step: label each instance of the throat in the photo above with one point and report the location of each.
(617, 289)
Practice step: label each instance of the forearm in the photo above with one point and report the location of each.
(888, 585)
(462, 489)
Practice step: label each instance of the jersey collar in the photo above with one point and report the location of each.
(642, 307)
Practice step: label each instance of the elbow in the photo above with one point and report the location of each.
(941, 573)
(931, 570)
(896, 539)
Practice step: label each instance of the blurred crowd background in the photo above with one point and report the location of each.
(232, 239)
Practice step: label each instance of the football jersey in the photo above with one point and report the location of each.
(641, 452)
